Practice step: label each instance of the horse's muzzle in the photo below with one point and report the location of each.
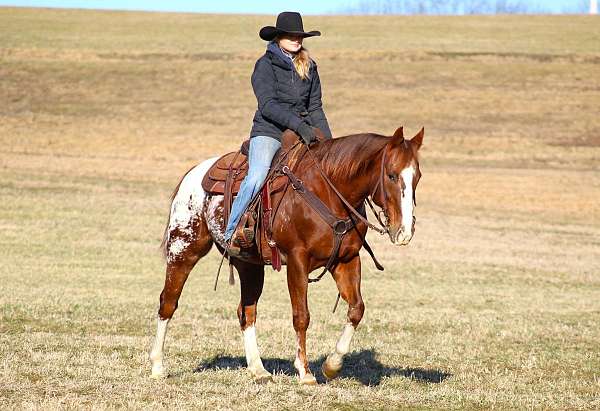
(401, 236)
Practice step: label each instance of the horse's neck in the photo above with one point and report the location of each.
(356, 188)
(352, 163)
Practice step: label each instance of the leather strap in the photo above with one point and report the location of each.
(339, 226)
(380, 230)
(227, 195)
(267, 227)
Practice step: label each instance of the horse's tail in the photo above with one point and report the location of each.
(165, 238)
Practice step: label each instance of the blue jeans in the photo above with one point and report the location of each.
(261, 152)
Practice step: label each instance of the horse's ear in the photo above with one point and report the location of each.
(417, 140)
(398, 137)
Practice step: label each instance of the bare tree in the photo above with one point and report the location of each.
(441, 7)
(580, 6)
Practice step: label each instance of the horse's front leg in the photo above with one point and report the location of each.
(347, 278)
(252, 278)
(297, 278)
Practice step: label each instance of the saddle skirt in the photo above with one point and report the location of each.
(214, 180)
(237, 162)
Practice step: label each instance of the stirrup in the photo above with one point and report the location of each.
(232, 248)
(243, 237)
(248, 235)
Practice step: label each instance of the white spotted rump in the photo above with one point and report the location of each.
(186, 208)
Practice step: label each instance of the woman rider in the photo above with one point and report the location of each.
(288, 90)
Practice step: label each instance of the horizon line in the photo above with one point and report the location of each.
(348, 14)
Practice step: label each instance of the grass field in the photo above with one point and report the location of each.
(494, 304)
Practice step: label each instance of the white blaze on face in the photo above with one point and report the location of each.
(407, 175)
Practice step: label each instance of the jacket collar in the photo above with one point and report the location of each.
(285, 61)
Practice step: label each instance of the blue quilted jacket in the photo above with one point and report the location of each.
(284, 99)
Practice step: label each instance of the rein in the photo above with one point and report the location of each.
(384, 228)
(339, 226)
(383, 193)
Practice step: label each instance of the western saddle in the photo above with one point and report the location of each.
(254, 231)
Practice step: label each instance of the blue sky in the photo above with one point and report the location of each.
(240, 6)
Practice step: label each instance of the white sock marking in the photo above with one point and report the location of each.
(250, 346)
(343, 345)
(156, 355)
(335, 359)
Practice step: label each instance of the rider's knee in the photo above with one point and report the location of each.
(257, 178)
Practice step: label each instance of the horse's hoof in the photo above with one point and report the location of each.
(308, 379)
(263, 379)
(262, 376)
(158, 375)
(329, 372)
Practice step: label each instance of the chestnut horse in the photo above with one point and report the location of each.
(360, 166)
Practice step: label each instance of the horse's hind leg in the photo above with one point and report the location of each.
(252, 278)
(182, 255)
(347, 278)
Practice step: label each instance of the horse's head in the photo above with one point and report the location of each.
(400, 175)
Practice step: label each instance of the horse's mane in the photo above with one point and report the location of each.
(347, 156)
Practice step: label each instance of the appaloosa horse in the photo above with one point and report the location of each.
(360, 166)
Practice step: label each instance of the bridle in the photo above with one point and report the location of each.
(384, 228)
(384, 209)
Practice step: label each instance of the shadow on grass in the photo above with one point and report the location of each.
(362, 366)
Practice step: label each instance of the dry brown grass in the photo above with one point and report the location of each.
(493, 305)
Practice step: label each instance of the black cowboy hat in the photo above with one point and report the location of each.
(288, 22)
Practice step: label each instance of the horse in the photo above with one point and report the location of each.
(364, 166)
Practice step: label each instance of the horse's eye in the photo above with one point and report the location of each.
(393, 177)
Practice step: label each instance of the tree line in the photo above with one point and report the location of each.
(457, 7)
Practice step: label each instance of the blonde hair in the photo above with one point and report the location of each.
(301, 61)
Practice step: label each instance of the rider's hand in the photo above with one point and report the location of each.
(307, 133)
